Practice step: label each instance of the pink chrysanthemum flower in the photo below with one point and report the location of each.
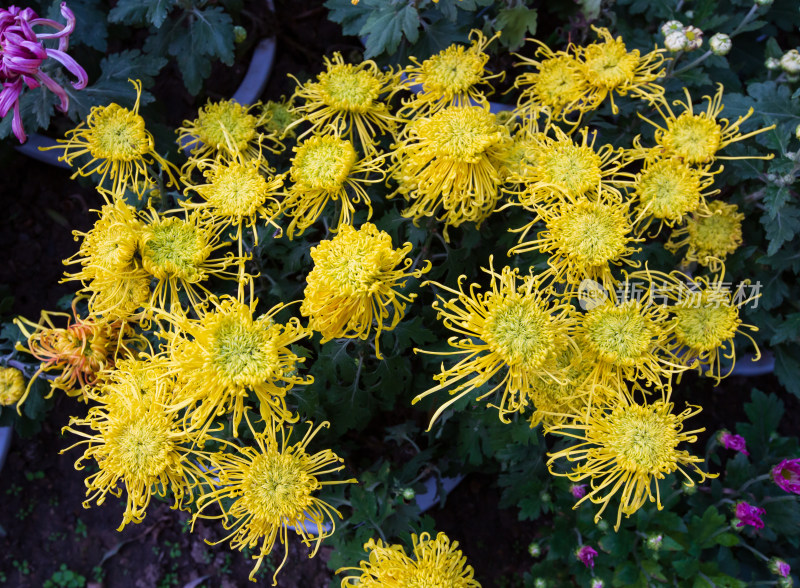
(779, 567)
(22, 54)
(730, 441)
(749, 515)
(787, 475)
(586, 555)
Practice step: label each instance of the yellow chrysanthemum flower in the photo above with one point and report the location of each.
(325, 168)
(177, 252)
(704, 319)
(574, 168)
(667, 191)
(227, 352)
(711, 238)
(626, 448)
(450, 164)
(137, 442)
(77, 352)
(279, 117)
(349, 98)
(433, 562)
(609, 67)
(111, 270)
(584, 236)
(227, 129)
(516, 329)
(120, 147)
(452, 77)
(554, 401)
(235, 195)
(264, 489)
(353, 287)
(12, 386)
(626, 341)
(697, 138)
(556, 88)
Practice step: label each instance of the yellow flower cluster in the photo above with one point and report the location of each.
(171, 365)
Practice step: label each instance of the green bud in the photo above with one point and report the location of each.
(408, 493)
(534, 549)
(239, 34)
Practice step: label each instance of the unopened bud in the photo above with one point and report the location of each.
(695, 37)
(671, 26)
(654, 541)
(545, 497)
(772, 63)
(408, 493)
(797, 133)
(602, 525)
(720, 44)
(785, 582)
(790, 62)
(597, 583)
(239, 34)
(689, 489)
(677, 41)
(534, 549)
(540, 583)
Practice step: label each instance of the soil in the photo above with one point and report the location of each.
(43, 525)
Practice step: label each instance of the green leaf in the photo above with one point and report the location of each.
(765, 412)
(157, 11)
(727, 539)
(129, 12)
(195, 67)
(783, 517)
(212, 34)
(92, 28)
(687, 567)
(702, 529)
(775, 197)
(787, 367)
(516, 23)
(782, 228)
(787, 330)
(385, 27)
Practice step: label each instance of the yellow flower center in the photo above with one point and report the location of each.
(236, 190)
(117, 134)
(609, 65)
(591, 233)
(141, 447)
(278, 116)
(174, 248)
(559, 82)
(461, 133)
(520, 332)
(693, 137)
(643, 440)
(620, 334)
(225, 121)
(323, 163)
(668, 189)
(243, 352)
(573, 168)
(345, 87)
(703, 325)
(277, 488)
(718, 234)
(453, 71)
(12, 385)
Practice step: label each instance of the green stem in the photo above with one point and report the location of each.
(760, 478)
(754, 551)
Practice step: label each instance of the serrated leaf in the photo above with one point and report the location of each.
(129, 12)
(787, 367)
(787, 330)
(195, 67)
(157, 11)
(516, 23)
(92, 29)
(764, 412)
(212, 34)
(384, 28)
(782, 228)
(775, 197)
(727, 539)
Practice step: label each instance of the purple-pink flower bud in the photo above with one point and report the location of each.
(731, 441)
(787, 475)
(779, 567)
(586, 555)
(749, 515)
(578, 490)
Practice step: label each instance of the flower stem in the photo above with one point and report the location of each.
(760, 478)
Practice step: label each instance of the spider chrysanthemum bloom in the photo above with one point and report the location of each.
(120, 147)
(136, 442)
(573, 168)
(627, 341)
(229, 351)
(710, 238)
(556, 88)
(452, 77)
(584, 237)
(626, 448)
(227, 129)
(515, 329)
(609, 68)
(433, 562)
(668, 190)
(77, 352)
(111, 270)
(353, 289)
(553, 401)
(237, 193)
(12, 386)
(698, 137)
(177, 252)
(264, 489)
(704, 320)
(325, 168)
(449, 165)
(348, 94)
(278, 118)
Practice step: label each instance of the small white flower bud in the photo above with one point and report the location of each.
(671, 26)
(676, 42)
(790, 62)
(772, 63)
(720, 44)
(695, 37)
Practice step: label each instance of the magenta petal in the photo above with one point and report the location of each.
(16, 125)
(72, 66)
(9, 96)
(51, 85)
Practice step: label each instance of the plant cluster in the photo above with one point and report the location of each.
(604, 192)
